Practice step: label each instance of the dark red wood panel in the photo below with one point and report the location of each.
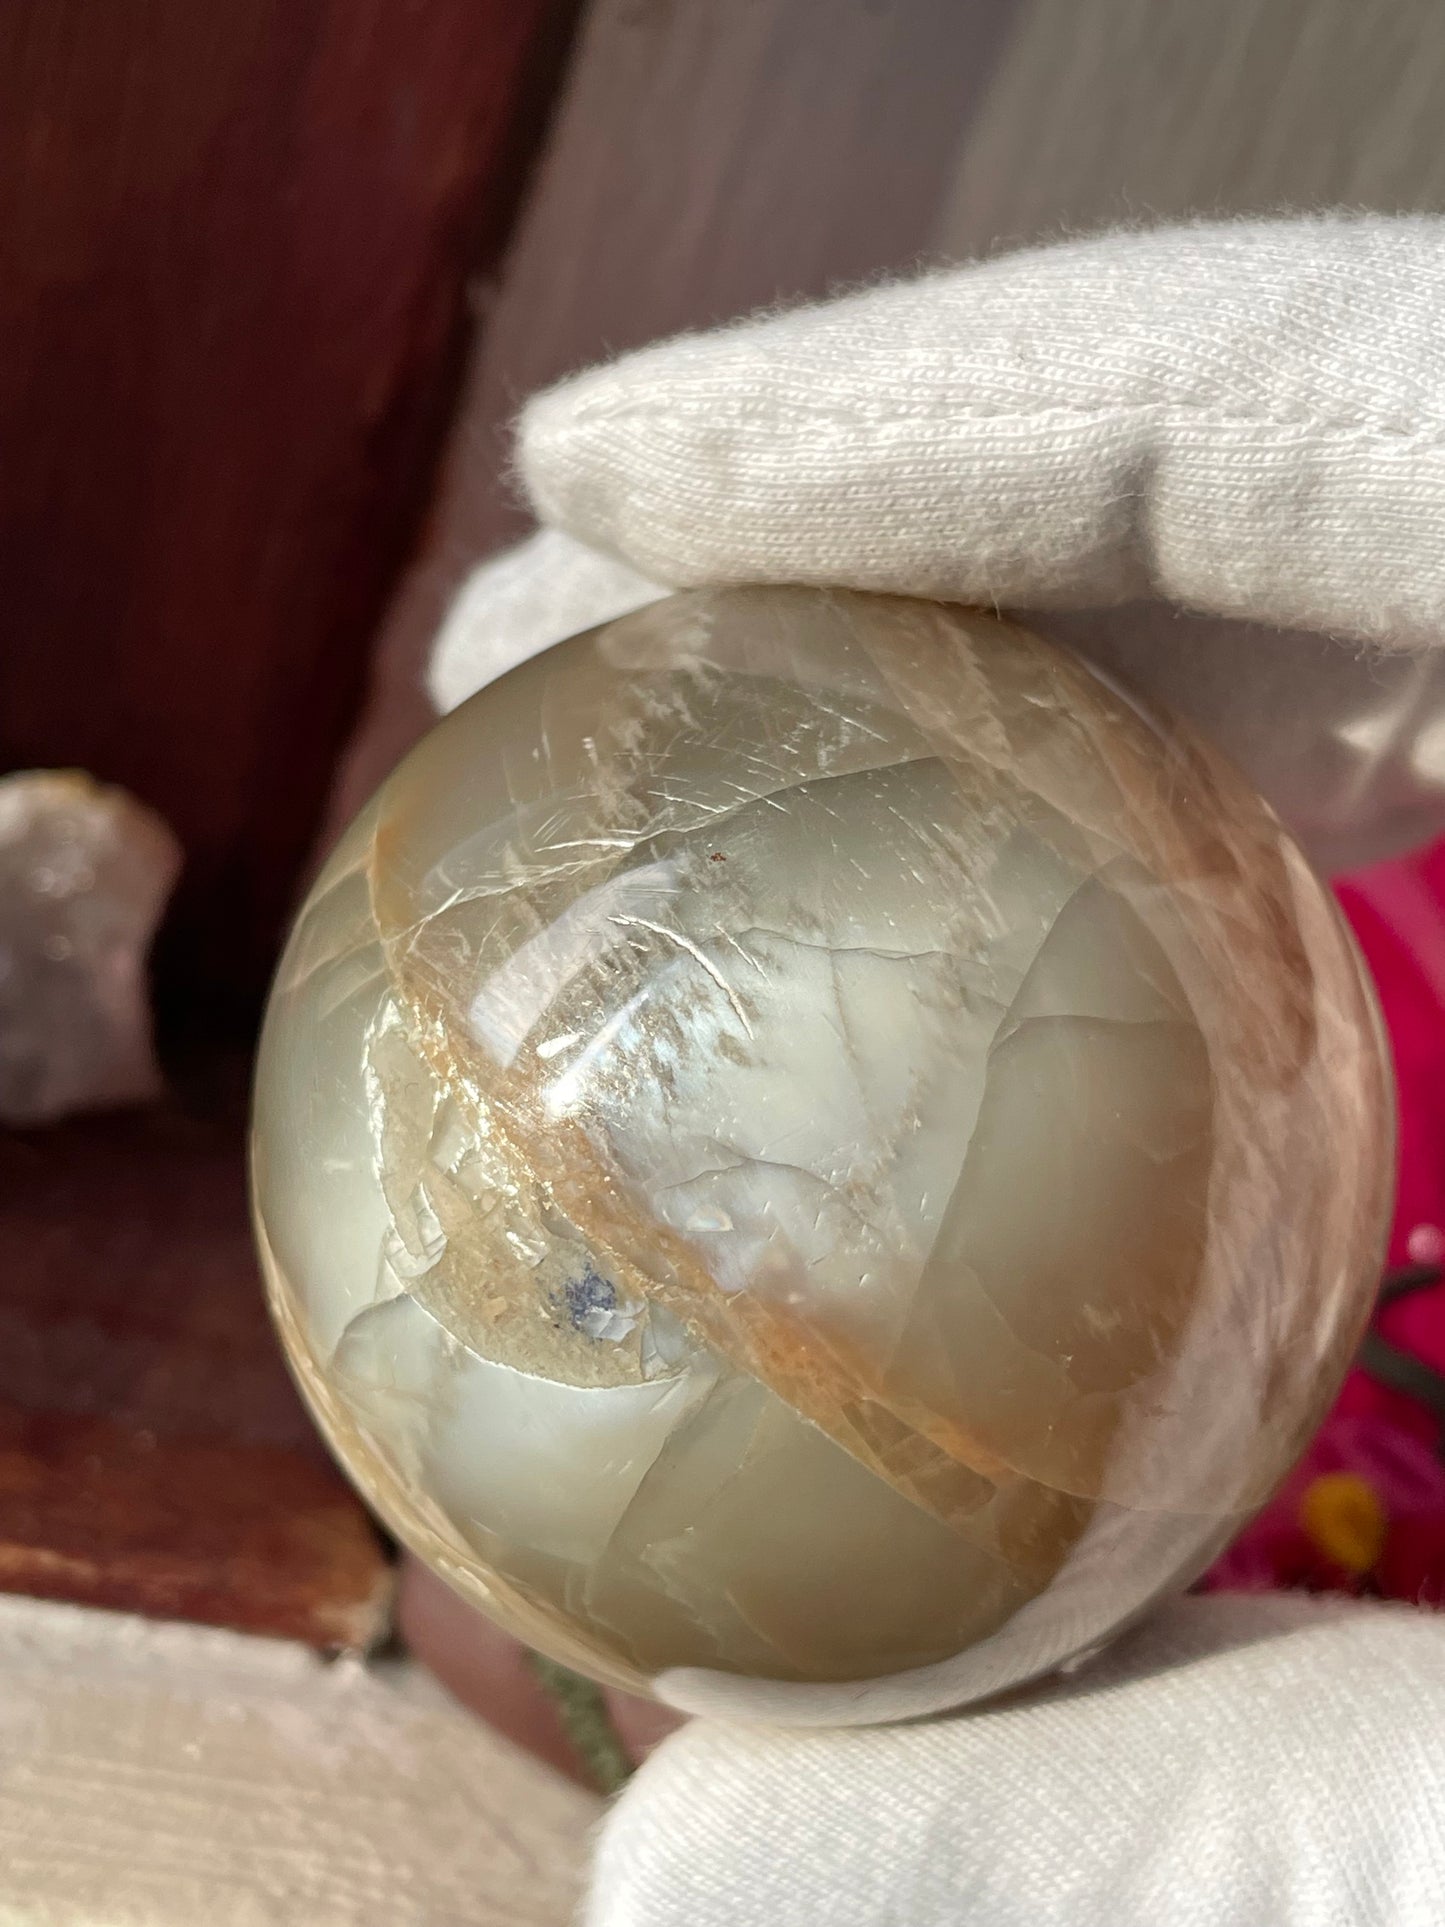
(153, 1454)
(235, 250)
(237, 241)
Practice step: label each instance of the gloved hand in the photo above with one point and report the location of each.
(1213, 456)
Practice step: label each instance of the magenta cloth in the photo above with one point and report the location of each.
(1386, 1438)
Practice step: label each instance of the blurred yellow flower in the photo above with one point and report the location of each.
(1342, 1516)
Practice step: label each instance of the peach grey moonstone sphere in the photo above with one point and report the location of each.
(812, 1157)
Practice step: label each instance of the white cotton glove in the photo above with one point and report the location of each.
(1215, 427)
(1264, 1762)
(1213, 456)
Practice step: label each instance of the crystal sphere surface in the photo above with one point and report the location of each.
(812, 1156)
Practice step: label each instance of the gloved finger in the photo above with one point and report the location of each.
(1236, 1760)
(1242, 419)
(1351, 752)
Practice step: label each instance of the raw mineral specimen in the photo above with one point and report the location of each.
(85, 872)
(811, 1155)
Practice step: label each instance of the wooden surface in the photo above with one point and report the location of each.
(153, 1454)
(235, 244)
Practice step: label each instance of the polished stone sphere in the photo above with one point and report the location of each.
(813, 1156)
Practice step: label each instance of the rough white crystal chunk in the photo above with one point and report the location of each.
(85, 872)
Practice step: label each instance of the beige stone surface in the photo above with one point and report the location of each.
(159, 1775)
(804, 1141)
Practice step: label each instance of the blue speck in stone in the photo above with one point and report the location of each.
(587, 1294)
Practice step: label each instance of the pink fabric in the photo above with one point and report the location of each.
(1388, 1439)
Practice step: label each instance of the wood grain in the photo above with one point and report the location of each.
(234, 249)
(153, 1454)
